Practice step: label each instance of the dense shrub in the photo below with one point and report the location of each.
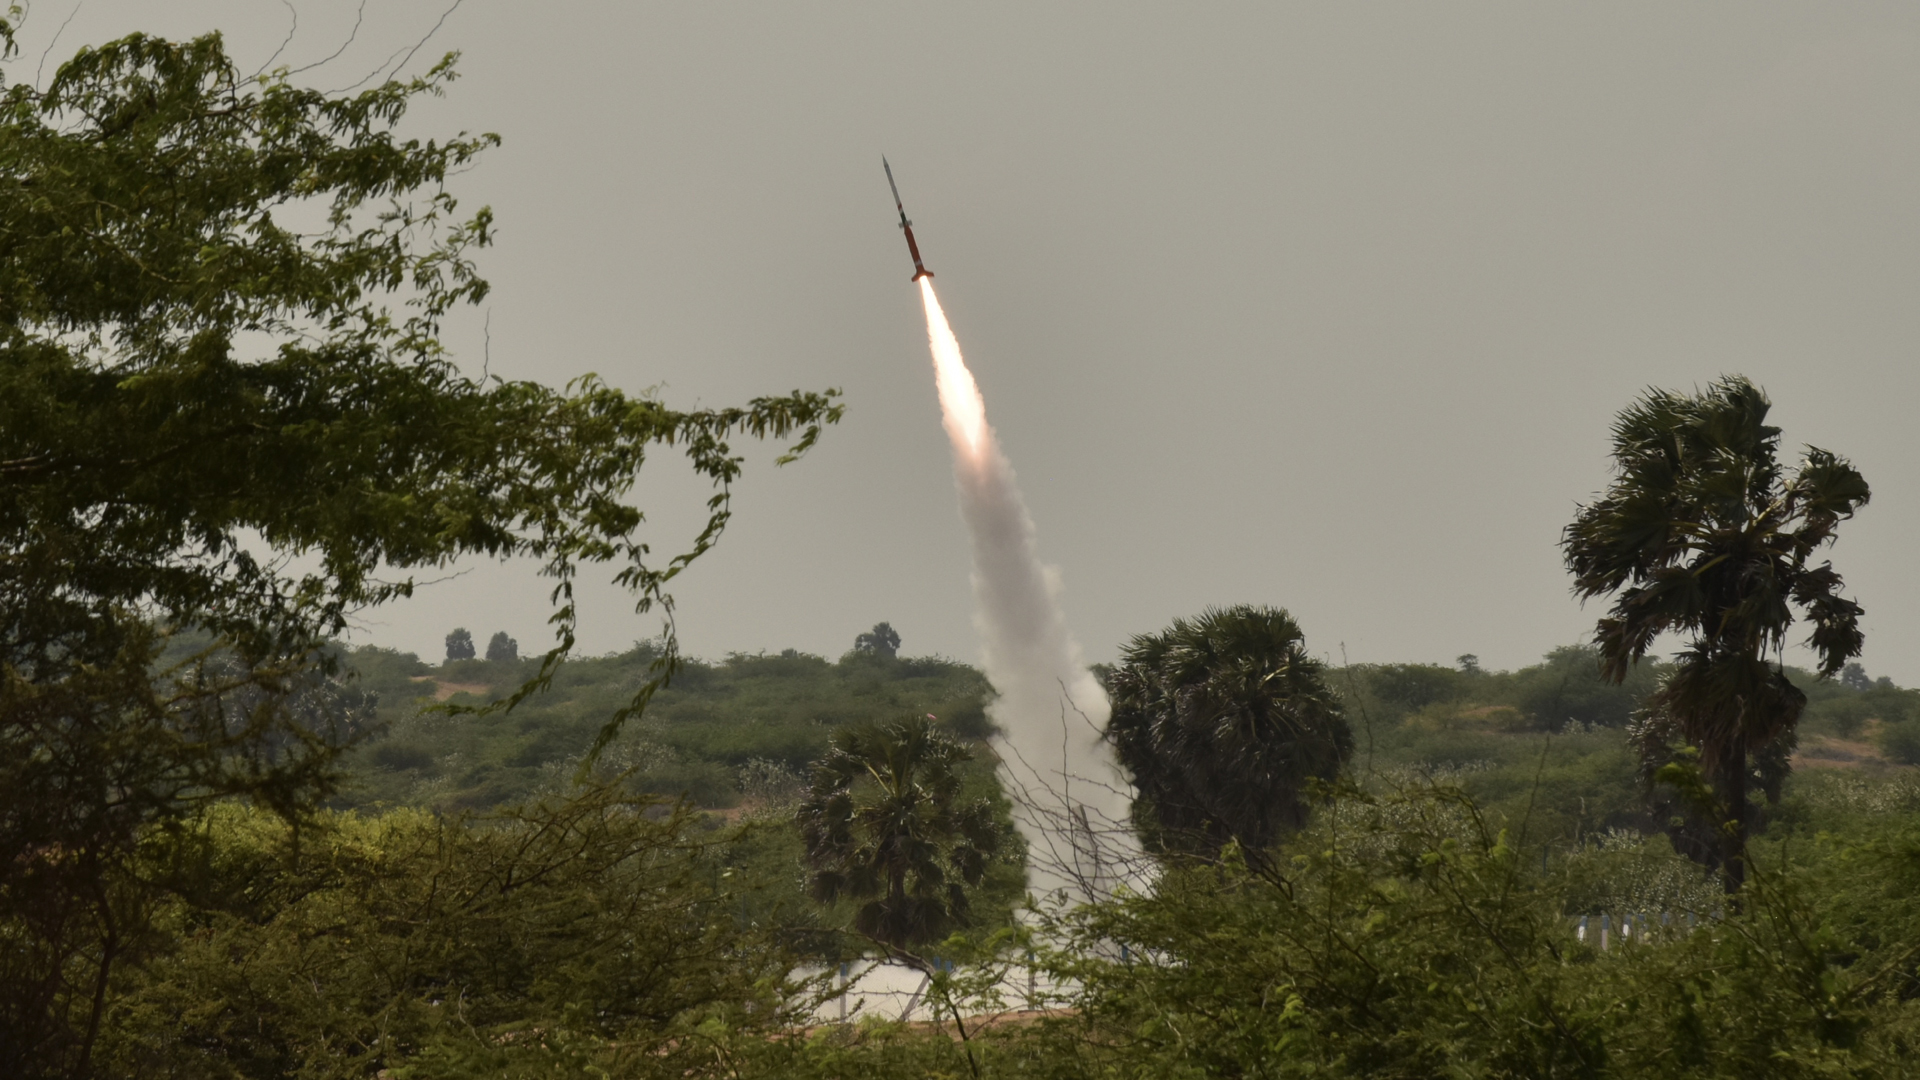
(1901, 742)
(1409, 934)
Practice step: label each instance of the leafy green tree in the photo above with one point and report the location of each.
(92, 763)
(1569, 687)
(889, 828)
(1900, 741)
(1696, 827)
(1416, 685)
(1704, 534)
(460, 644)
(881, 641)
(502, 649)
(1848, 714)
(430, 945)
(196, 388)
(1222, 722)
(1411, 936)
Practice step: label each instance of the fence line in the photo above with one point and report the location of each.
(871, 987)
(1635, 927)
(895, 991)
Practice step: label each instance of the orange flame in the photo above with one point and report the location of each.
(961, 407)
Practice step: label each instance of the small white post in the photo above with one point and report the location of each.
(907, 1013)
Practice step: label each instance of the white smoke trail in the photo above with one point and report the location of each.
(1071, 804)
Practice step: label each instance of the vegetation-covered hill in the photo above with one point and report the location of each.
(1547, 743)
(1450, 903)
(1545, 740)
(723, 731)
(734, 737)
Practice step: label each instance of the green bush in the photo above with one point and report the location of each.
(1567, 688)
(1846, 714)
(1901, 742)
(586, 936)
(1407, 935)
(400, 756)
(1415, 686)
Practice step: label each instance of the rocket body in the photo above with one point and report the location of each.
(919, 268)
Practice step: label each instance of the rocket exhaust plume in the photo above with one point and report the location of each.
(1070, 804)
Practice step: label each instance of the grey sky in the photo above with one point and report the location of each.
(1322, 306)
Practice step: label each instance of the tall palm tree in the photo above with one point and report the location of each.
(1703, 534)
(887, 827)
(1221, 722)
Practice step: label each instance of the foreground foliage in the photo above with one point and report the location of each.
(1424, 943)
(1407, 935)
(221, 307)
(592, 932)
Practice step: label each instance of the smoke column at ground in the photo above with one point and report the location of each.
(1070, 803)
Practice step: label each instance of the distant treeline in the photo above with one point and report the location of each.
(718, 730)
(724, 727)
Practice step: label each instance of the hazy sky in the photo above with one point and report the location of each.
(1323, 306)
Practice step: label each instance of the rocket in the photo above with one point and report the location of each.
(919, 269)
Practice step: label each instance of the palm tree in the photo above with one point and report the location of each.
(1222, 721)
(887, 827)
(1703, 534)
